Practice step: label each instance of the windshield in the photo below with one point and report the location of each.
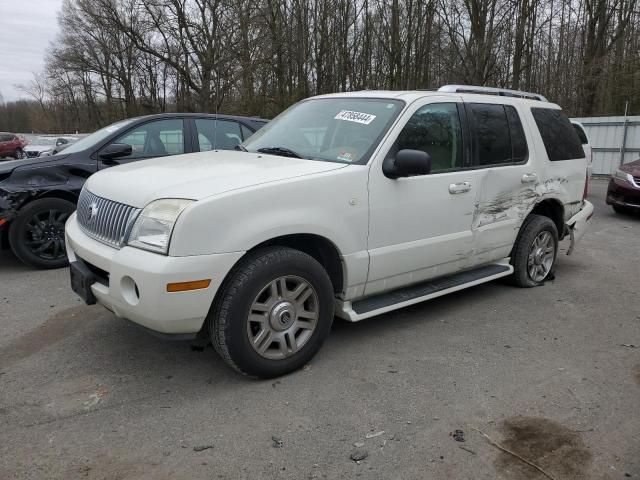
(95, 137)
(344, 130)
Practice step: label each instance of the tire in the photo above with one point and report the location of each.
(247, 294)
(36, 236)
(525, 255)
(19, 153)
(621, 210)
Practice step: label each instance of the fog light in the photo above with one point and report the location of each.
(130, 290)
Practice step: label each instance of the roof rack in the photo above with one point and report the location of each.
(502, 92)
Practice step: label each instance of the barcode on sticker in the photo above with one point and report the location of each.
(358, 117)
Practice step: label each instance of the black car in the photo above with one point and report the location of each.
(38, 195)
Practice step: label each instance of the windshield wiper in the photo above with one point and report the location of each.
(240, 148)
(282, 151)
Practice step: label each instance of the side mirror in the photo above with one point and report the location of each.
(407, 163)
(61, 141)
(115, 150)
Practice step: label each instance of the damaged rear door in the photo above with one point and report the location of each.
(509, 177)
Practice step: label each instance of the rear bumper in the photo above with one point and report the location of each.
(578, 224)
(623, 194)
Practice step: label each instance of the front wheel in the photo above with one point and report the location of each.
(535, 251)
(36, 236)
(273, 312)
(19, 153)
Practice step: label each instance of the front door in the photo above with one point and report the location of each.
(420, 226)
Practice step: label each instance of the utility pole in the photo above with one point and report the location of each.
(625, 126)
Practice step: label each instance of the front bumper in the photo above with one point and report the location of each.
(623, 194)
(132, 283)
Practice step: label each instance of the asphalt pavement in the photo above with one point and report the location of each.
(551, 374)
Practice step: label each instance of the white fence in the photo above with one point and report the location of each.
(614, 141)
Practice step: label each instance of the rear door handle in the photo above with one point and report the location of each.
(459, 187)
(529, 178)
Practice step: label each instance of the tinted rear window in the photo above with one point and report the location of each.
(558, 135)
(492, 133)
(581, 135)
(518, 140)
(499, 135)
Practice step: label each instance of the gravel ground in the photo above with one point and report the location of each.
(548, 373)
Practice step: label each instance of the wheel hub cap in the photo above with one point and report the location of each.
(283, 317)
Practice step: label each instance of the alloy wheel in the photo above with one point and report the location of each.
(283, 317)
(44, 234)
(541, 256)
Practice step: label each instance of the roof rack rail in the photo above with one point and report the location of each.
(503, 92)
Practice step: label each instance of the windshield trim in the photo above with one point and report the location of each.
(366, 157)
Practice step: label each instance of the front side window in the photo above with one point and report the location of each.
(558, 135)
(218, 134)
(154, 139)
(435, 129)
(344, 130)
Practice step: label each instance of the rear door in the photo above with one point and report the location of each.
(508, 176)
(216, 134)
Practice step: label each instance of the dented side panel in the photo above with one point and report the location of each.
(509, 193)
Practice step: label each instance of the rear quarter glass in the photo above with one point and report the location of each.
(558, 135)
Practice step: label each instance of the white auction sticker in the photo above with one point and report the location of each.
(358, 117)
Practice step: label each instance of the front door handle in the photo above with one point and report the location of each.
(529, 178)
(459, 187)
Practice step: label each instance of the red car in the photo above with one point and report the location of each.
(623, 193)
(11, 145)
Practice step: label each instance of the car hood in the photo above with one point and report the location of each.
(632, 167)
(8, 167)
(197, 175)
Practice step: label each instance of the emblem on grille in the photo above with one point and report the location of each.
(93, 211)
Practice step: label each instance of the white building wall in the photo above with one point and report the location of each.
(606, 135)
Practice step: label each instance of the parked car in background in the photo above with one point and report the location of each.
(623, 193)
(46, 146)
(354, 204)
(586, 145)
(11, 145)
(38, 195)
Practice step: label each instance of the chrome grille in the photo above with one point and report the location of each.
(637, 180)
(105, 220)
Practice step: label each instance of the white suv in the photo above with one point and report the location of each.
(351, 204)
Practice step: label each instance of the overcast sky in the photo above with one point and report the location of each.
(26, 28)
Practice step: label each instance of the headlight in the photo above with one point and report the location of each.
(152, 229)
(624, 176)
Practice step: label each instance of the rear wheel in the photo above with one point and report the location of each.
(535, 251)
(621, 210)
(36, 235)
(273, 313)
